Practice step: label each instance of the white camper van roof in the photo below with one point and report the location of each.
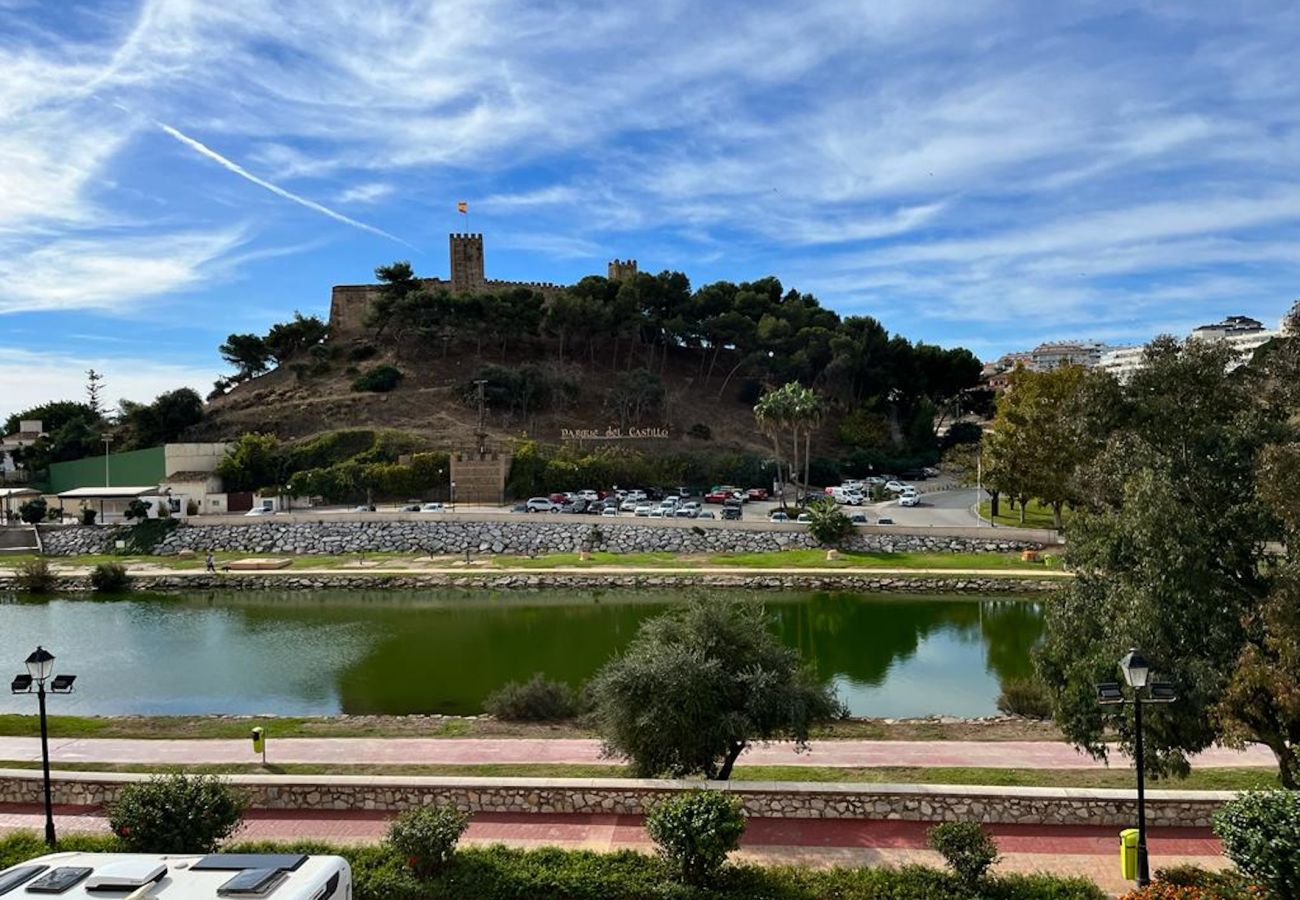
(136, 876)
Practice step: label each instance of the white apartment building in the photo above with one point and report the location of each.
(1053, 355)
(1121, 362)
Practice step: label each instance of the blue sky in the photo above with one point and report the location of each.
(986, 174)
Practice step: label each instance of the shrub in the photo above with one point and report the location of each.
(362, 352)
(965, 847)
(191, 507)
(137, 509)
(176, 814)
(535, 700)
(696, 831)
(32, 511)
(426, 837)
(1260, 831)
(110, 578)
(144, 536)
(88, 516)
(35, 576)
(378, 379)
(829, 525)
(1026, 697)
(701, 431)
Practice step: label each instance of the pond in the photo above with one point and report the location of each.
(401, 652)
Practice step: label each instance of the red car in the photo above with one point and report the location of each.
(756, 494)
(717, 496)
(558, 498)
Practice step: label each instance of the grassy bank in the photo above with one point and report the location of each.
(1119, 777)
(237, 727)
(1037, 515)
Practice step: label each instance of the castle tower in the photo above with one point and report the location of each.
(466, 263)
(620, 269)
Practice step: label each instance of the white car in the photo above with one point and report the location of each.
(659, 512)
(895, 487)
(259, 511)
(671, 500)
(540, 504)
(609, 511)
(643, 509)
(589, 495)
(629, 505)
(431, 508)
(909, 500)
(635, 496)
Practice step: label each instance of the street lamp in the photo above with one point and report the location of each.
(1137, 671)
(39, 666)
(453, 495)
(107, 439)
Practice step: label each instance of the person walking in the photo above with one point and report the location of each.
(211, 563)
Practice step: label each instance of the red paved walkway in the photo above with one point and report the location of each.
(472, 751)
(1068, 850)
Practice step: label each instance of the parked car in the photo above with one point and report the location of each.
(659, 512)
(364, 507)
(411, 507)
(685, 512)
(643, 509)
(756, 494)
(589, 495)
(634, 496)
(558, 497)
(909, 500)
(858, 519)
(574, 507)
(684, 492)
(705, 514)
(875, 480)
(542, 504)
(777, 516)
(629, 505)
(259, 511)
(671, 500)
(931, 472)
(804, 518)
(431, 508)
(884, 520)
(718, 496)
(609, 511)
(895, 487)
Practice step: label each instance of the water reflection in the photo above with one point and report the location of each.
(406, 652)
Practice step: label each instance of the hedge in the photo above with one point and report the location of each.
(504, 873)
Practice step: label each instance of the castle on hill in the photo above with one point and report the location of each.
(349, 303)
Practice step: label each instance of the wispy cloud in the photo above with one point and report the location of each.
(239, 170)
(370, 192)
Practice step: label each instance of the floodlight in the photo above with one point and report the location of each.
(21, 684)
(62, 684)
(1109, 692)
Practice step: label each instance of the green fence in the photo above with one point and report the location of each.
(137, 468)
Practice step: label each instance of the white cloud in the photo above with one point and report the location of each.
(370, 192)
(39, 376)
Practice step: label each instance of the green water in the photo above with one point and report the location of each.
(397, 652)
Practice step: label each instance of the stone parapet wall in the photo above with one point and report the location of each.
(531, 535)
(924, 803)
(286, 580)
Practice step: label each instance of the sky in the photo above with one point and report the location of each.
(971, 173)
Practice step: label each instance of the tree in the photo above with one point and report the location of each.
(828, 523)
(247, 353)
(636, 394)
(94, 387)
(162, 421)
(1169, 548)
(696, 686)
(287, 340)
(772, 415)
(254, 462)
(72, 431)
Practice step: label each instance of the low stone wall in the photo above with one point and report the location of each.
(286, 580)
(538, 534)
(925, 803)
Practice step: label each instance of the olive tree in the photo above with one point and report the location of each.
(700, 684)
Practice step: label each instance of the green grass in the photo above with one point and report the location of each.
(1117, 777)
(1037, 515)
(794, 559)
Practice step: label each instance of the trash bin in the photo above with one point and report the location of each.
(1128, 854)
(259, 741)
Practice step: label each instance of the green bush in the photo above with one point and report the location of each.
(378, 379)
(701, 431)
(426, 837)
(695, 832)
(1225, 885)
(1260, 831)
(144, 536)
(535, 700)
(35, 576)
(176, 814)
(965, 847)
(829, 525)
(362, 352)
(32, 511)
(1026, 697)
(110, 578)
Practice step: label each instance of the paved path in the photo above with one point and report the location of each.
(474, 751)
(380, 568)
(1067, 850)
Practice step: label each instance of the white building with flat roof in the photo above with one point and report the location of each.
(1121, 362)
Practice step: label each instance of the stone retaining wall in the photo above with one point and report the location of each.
(926, 803)
(286, 580)
(532, 535)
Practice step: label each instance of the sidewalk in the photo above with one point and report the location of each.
(478, 751)
(1067, 850)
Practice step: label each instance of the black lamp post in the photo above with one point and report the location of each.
(39, 667)
(1136, 672)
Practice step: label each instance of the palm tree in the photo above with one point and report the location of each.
(772, 415)
(809, 411)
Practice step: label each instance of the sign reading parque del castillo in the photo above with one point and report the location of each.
(612, 433)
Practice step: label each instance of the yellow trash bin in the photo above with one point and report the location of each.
(259, 742)
(1128, 854)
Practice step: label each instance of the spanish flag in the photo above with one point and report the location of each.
(462, 207)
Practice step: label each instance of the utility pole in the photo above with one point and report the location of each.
(107, 439)
(482, 416)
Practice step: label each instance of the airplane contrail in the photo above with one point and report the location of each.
(275, 189)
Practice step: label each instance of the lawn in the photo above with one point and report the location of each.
(794, 559)
(1037, 515)
(1116, 777)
